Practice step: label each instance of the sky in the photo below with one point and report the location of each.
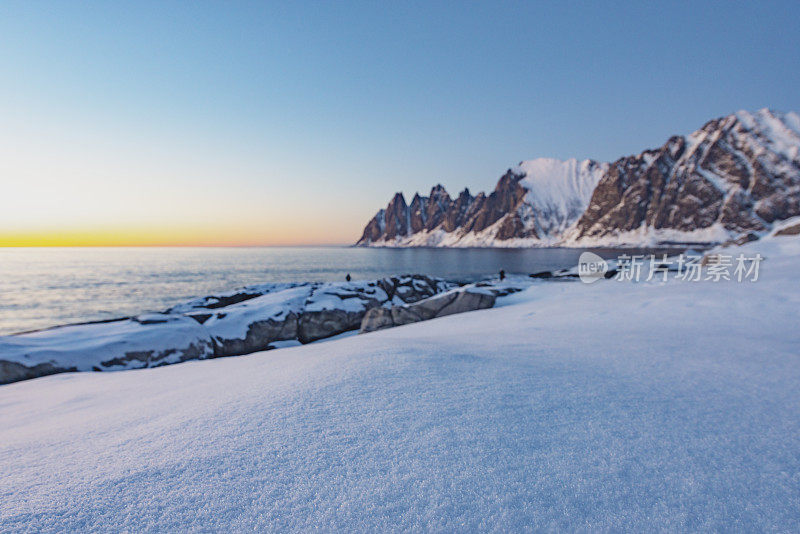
(292, 123)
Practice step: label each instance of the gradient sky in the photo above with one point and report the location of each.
(292, 123)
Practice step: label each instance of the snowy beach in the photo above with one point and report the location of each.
(615, 405)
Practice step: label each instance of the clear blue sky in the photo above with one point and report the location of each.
(298, 121)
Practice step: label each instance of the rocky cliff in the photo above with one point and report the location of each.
(737, 174)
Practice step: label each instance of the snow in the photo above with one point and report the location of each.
(203, 303)
(646, 236)
(233, 322)
(108, 345)
(214, 325)
(611, 406)
(351, 296)
(559, 191)
(778, 132)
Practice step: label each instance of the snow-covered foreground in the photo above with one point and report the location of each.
(605, 406)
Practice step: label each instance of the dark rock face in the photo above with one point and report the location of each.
(260, 334)
(438, 210)
(732, 172)
(14, 371)
(438, 306)
(325, 315)
(412, 287)
(396, 217)
(375, 228)
(735, 175)
(326, 323)
(789, 230)
(331, 310)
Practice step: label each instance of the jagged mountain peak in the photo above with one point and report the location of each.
(398, 198)
(738, 173)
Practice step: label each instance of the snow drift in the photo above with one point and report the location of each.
(570, 407)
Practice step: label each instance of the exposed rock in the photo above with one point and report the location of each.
(742, 239)
(260, 335)
(456, 301)
(735, 176)
(144, 341)
(255, 318)
(326, 323)
(735, 173)
(396, 217)
(228, 298)
(335, 308)
(789, 230)
(378, 319)
(535, 200)
(254, 324)
(14, 371)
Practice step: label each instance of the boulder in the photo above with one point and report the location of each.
(789, 230)
(452, 302)
(131, 343)
(332, 309)
(256, 323)
(378, 319)
(14, 371)
(251, 319)
(229, 298)
(410, 288)
(319, 324)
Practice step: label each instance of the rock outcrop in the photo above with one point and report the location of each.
(254, 324)
(452, 302)
(789, 230)
(145, 341)
(238, 322)
(738, 174)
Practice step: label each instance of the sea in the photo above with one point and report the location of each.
(44, 287)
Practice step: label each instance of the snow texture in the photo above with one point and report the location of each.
(144, 341)
(611, 406)
(559, 191)
(235, 320)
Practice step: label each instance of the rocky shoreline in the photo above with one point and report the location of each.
(251, 319)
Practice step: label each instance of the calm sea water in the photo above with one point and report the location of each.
(41, 287)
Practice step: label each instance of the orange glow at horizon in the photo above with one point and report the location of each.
(184, 237)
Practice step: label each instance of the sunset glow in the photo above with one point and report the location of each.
(173, 236)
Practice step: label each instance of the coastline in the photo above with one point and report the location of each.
(444, 422)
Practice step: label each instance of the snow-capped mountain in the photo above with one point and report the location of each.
(533, 203)
(737, 174)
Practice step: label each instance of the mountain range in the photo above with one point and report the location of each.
(737, 175)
